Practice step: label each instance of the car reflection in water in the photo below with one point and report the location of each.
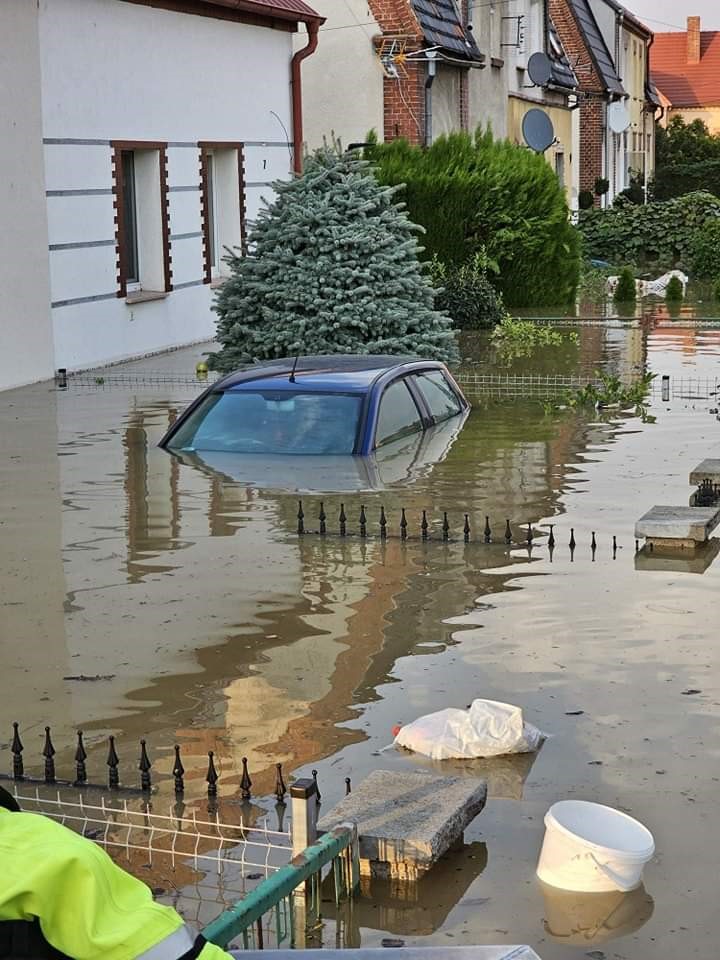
(403, 461)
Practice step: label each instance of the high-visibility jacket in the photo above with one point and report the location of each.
(86, 906)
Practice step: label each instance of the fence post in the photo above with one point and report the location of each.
(303, 797)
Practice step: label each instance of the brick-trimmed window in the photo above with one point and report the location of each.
(142, 222)
(222, 204)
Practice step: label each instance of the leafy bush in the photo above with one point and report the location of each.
(705, 250)
(716, 290)
(586, 200)
(593, 281)
(601, 186)
(515, 338)
(657, 234)
(634, 193)
(681, 178)
(465, 292)
(674, 290)
(625, 291)
(473, 192)
(687, 159)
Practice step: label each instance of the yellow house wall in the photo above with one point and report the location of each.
(709, 115)
(562, 122)
(633, 69)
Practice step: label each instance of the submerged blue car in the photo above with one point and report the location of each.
(324, 405)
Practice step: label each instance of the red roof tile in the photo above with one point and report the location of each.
(687, 84)
(296, 10)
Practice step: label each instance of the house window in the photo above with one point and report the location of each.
(560, 167)
(222, 182)
(142, 233)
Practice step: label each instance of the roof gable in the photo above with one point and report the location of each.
(687, 84)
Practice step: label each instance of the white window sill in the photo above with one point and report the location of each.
(140, 296)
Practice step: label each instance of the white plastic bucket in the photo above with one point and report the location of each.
(591, 848)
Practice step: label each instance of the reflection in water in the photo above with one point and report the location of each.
(667, 559)
(410, 909)
(504, 776)
(592, 918)
(403, 461)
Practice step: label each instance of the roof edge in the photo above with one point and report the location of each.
(242, 11)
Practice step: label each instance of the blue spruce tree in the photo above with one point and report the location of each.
(333, 268)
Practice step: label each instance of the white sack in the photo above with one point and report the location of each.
(487, 729)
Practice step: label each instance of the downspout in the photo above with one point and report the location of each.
(313, 27)
(430, 77)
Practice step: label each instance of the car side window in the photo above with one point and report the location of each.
(398, 415)
(440, 397)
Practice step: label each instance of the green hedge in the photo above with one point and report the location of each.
(660, 234)
(705, 251)
(471, 193)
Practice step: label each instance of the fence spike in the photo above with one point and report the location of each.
(113, 762)
(80, 758)
(363, 521)
(529, 533)
(178, 772)
(614, 546)
(245, 781)
(551, 550)
(424, 525)
(383, 523)
(508, 532)
(49, 753)
(17, 748)
(348, 786)
(403, 524)
(445, 526)
(280, 788)
(637, 546)
(144, 767)
(466, 529)
(551, 538)
(572, 538)
(342, 520)
(593, 542)
(487, 532)
(317, 788)
(212, 775)
(322, 517)
(300, 518)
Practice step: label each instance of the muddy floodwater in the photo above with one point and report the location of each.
(145, 597)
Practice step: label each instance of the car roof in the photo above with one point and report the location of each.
(324, 373)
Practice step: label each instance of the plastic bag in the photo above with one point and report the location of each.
(487, 729)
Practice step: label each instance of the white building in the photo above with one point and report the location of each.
(138, 137)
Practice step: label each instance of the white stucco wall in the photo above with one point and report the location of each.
(26, 349)
(113, 70)
(343, 80)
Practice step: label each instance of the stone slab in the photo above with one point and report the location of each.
(678, 523)
(407, 820)
(695, 560)
(707, 470)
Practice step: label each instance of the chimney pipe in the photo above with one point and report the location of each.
(693, 39)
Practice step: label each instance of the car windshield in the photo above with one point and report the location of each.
(272, 421)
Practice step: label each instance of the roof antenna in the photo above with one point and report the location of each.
(292, 372)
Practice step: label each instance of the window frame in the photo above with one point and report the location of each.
(118, 147)
(208, 148)
(432, 420)
(417, 399)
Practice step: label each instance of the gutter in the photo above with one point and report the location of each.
(313, 28)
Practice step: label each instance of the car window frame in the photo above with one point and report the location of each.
(416, 374)
(418, 400)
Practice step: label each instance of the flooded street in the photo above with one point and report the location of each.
(203, 619)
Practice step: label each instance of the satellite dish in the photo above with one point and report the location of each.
(618, 117)
(537, 129)
(539, 69)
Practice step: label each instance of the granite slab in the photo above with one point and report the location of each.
(694, 524)
(707, 470)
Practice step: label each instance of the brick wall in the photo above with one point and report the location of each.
(591, 94)
(403, 98)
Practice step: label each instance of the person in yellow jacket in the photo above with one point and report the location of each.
(62, 896)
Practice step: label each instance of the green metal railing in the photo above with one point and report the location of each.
(285, 894)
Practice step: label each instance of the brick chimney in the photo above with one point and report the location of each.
(693, 39)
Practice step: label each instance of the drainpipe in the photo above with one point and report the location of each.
(431, 70)
(313, 26)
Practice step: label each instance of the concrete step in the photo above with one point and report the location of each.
(680, 527)
(706, 470)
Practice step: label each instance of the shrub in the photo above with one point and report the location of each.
(681, 178)
(586, 199)
(716, 290)
(332, 268)
(625, 292)
(657, 234)
(601, 186)
(674, 290)
(473, 192)
(593, 281)
(705, 250)
(634, 193)
(516, 338)
(465, 292)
